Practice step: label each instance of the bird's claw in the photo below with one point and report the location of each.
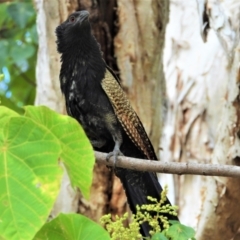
(115, 153)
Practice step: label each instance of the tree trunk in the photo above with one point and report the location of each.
(140, 62)
(202, 123)
(49, 14)
(139, 58)
(201, 63)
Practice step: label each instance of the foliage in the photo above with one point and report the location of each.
(18, 47)
(30, 174)
(179, 231)
(76, 150)
(67, 226)
(31, 146)
(171, 229)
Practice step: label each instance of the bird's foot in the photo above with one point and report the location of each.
(115, 153)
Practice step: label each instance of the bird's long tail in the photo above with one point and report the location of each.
(138, 186)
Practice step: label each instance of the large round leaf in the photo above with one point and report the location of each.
(77, 153)
(72, 226)
(29, 176)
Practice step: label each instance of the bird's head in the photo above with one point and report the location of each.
(75, 28)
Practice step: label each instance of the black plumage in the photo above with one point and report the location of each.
(95, 98)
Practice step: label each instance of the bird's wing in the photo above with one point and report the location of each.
(126, 115)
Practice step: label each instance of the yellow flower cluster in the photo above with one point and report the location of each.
(118, 231)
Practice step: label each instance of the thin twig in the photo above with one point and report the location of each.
(171, 167)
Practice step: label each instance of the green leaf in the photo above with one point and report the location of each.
(72, 226)
(5, 115)
(174, 222)
(77, 154)
(158, 236)
(20, 12)
(3, 16)
(10, 104)
(4, 48)
(179, 231)
(22, 51)
(18, 48)
(19, 83)
(21, 86)
(34, 34)
(29, 176)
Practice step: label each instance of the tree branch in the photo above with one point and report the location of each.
(170, 167)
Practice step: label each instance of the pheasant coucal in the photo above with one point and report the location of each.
(94, 97)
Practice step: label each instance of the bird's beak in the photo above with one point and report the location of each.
(83, 15)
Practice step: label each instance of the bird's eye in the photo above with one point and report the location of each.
(72, 19)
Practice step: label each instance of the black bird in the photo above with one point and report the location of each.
(94, 97)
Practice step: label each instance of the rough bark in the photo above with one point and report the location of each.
(49, 15)
(180, 168)
(202, 71)
(201, 63)
(139, 57)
